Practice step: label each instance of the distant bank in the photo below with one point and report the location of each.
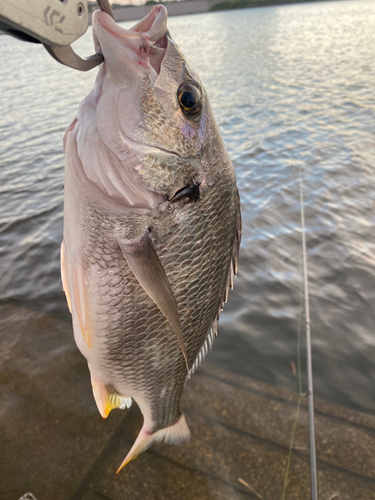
(132, 12)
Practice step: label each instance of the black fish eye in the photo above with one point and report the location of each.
(190, 100)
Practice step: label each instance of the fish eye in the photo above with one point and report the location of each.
(190, 100)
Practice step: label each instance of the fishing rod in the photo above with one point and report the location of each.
(310, 393)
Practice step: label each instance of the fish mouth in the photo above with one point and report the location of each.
(144, 45)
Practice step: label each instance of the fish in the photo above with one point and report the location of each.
(152, 226)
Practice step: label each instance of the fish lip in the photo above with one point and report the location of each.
(152, 28)
(154, 24)
(108, 24)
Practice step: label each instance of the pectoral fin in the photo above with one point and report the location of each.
(143, 260)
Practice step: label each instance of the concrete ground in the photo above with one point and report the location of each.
(54, 443)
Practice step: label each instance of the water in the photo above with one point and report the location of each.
(293, 89)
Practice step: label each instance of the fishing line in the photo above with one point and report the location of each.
(310, 393)
(301, 395)
(314, 489)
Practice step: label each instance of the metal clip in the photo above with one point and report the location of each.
(66, 55)
(54, 24)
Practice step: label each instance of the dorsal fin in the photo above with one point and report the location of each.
(141, 256)
(210, 337)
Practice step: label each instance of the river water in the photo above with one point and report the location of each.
(293, 90)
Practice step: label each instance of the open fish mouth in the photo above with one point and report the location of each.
(142, 47)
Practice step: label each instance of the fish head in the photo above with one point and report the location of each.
(160, 100)
(146, 131)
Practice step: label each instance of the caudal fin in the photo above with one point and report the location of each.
(178, 433)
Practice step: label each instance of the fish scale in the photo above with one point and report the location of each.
(152, 228)
(134, 304)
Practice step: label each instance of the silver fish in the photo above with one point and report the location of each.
(152, 226)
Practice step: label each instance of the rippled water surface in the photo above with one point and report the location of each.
(293, 89)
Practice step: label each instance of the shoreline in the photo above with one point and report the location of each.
(249, 4)
(186, 7)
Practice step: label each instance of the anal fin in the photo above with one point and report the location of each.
(143, 260)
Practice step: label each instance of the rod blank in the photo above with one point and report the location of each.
(310, 392)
